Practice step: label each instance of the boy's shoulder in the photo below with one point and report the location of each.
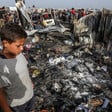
(22, 58)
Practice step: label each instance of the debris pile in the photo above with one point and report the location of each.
(67, 77)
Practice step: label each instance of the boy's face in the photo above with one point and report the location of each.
(14, 48)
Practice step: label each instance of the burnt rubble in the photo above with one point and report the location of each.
(70, 76)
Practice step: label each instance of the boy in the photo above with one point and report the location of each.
(16, 90)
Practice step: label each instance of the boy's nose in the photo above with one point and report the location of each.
(21, 48)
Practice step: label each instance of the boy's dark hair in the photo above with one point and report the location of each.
(11, 32)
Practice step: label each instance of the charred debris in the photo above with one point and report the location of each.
(71, 64)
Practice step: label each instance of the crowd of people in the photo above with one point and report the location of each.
(66, 15)
(7, 16)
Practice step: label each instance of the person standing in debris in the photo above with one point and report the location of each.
(73, 12)
(83, 13)
(2, 13)
(68, 14)
(16, 88)
(79, 14)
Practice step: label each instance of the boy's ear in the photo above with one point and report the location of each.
(5, 43)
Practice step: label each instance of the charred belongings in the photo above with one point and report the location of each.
(69, 78)
(73, 80)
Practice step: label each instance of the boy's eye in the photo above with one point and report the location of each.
(18, 45)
